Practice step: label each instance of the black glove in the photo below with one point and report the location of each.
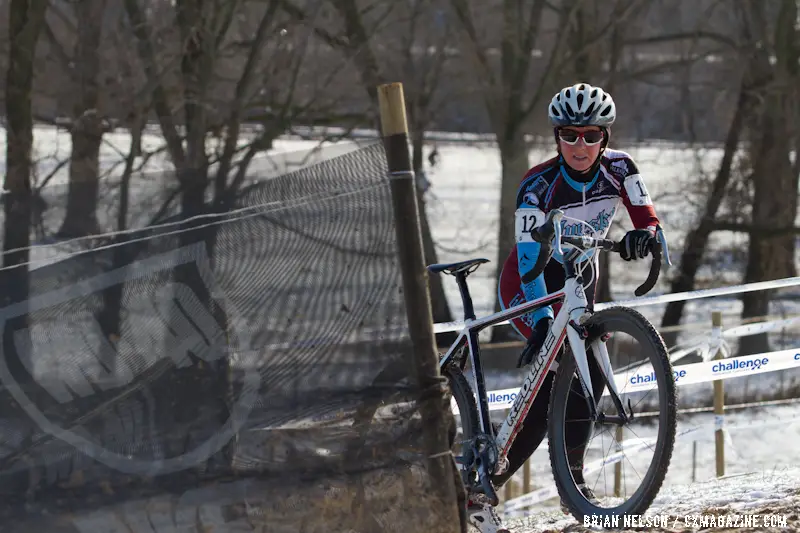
(636, 244)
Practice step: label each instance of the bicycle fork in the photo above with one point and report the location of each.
(577, 335)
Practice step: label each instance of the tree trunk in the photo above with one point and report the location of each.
(515, 163)
(697, 239)
(87, 126)
(197, 67)
(774, 202)
(774, 180)
(193, 175)
(441, 310)
(110, 318)
(26, 19)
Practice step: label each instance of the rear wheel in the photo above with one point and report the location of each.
(466, 424)
(651, 433)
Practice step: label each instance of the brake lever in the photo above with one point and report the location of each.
(558, 215)
(662, 238)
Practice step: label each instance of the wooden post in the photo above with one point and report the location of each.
(618, 434)
(719, 400)
(394, 130)
(526, 477)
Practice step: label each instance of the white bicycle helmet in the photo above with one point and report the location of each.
(582, 105)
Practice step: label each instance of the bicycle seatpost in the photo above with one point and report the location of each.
(466, 299)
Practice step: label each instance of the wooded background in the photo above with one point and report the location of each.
(721, 72)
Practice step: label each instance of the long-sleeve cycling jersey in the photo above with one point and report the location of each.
(549, 186)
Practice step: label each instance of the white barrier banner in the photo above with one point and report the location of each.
(644, 378)
(443, 327)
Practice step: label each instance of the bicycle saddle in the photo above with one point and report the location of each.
(455, 268)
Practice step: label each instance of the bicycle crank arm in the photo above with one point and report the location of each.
(486, 486)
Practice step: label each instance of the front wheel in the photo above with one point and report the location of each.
(603, 468)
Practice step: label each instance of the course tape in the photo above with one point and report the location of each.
(444, 327)
(644, 379)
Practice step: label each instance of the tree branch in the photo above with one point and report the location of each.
(58, 49)
(683, 36)
(516, 61)
(160, 102)
(461, 8)
(227, 12)
(242, 86)
(755, 229)
(666, 65)
(358, 47)
(299, 15)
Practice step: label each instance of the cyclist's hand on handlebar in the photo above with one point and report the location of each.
(637, 244)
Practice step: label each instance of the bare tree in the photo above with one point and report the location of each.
(752, 79)
(425, 52)
(25, 24)
(211, 65)
(593, 64)
(696, 241)
(87, 124)
(419, 57)
(774, 178)
(533, 60)
(763, 201)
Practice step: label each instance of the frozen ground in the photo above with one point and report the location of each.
(761, 440)
(771, 497)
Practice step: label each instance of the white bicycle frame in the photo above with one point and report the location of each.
(574, 310)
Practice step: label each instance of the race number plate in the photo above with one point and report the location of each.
(527, 219)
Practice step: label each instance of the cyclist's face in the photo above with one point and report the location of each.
(580, 155)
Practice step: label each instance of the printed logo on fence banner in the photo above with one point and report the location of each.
(641, 379)
(501, 398)
(735, 365)
(87, 365)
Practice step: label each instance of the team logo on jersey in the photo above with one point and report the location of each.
(598, 224)
(530, 199)
(535, 190)
(620, 166)
(601, 187)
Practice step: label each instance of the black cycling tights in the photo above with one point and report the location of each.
(534, 426)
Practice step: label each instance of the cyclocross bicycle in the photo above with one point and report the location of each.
(482, 451)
